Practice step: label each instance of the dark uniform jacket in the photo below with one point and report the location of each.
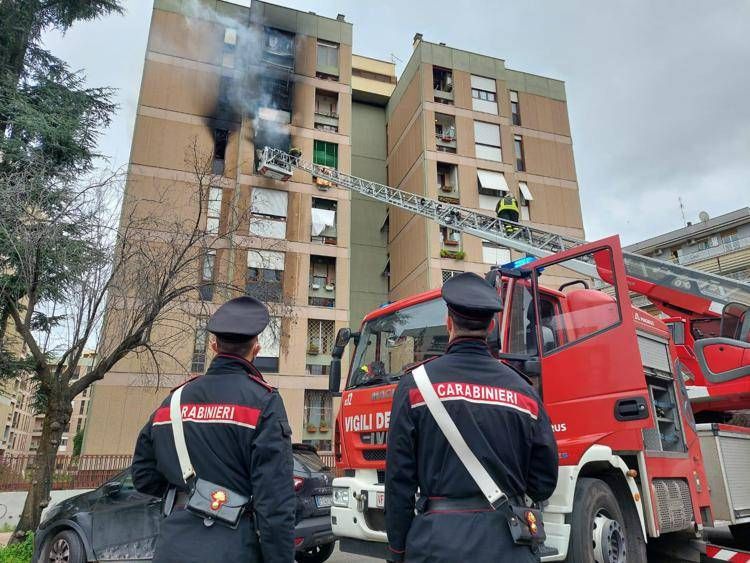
(502, 419)
(237, 436)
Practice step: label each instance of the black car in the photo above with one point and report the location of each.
(117, 523)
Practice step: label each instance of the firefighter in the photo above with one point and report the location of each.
(243, 445)
(508, 430)
(507, 210)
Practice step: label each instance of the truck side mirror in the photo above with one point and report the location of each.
(343, 337)
(734, 321)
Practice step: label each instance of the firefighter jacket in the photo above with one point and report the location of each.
(503, 421)
(238, 437)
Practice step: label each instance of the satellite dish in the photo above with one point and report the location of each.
(703, 216)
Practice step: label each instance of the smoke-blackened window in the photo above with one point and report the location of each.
(278, 48)
(221, 138)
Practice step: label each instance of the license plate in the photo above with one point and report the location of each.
(379, 500)
(323, 501)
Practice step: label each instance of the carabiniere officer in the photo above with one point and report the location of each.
(243, 445)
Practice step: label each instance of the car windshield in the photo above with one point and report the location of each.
(391, 343)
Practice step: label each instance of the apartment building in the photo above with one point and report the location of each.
(16, 402)
(465, 129)
(719, 245)
(448, 128)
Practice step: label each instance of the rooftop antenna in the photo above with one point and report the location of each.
(682, 209)
(394, 58)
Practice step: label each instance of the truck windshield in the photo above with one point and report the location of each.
(391, 343)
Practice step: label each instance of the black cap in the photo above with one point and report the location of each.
(469, 295)
(239, 319)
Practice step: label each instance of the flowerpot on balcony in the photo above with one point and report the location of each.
(313, 350)
(330, 287)
(446, 188)
(450, 242)
(315, 286)
(324, 427)
(311, 429)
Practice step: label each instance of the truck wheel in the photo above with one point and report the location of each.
(741, 535)
(599, 531)
(64, 547)
(316, 554)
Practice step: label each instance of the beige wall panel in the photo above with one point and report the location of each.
(305, 58)
(506, 138)
(428, 125)
(414, 184)
(549, 158)
(344, 108)
(116, 415)
(408, 152)
(461, 89)
(189, 38)
(416, 283)
(293, 276)
(425, 70)
(467, 186)
(465, 137)
(503, 98)
(342, 283)
(160, 198)
(303, 105)
(544, 114)
(187, 90)
(345, 158)
(294, 403)
(408, 249)
(553, 205)
(403, 113)
(345, 64)
(472, 246)
(298, 217)
(343, 222)
(166, 144)
(246, 154)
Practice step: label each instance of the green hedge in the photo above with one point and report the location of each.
(19, 552)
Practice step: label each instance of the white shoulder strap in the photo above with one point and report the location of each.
(484, 481)
(175, 415)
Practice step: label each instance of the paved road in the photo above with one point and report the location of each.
(339, 557)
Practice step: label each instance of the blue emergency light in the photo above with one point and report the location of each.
(518, 263)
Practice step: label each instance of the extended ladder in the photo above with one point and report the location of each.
(717, 290)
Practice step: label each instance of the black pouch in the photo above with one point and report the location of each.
(215, 503)
(525, 524)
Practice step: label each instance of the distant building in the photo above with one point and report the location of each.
(719, 245)
(16, 402)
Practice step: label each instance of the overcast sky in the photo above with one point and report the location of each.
(658, 91)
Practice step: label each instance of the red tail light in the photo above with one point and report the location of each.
(298, 482)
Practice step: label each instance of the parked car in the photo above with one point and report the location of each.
(116, 522)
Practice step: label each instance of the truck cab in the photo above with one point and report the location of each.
(630, 465)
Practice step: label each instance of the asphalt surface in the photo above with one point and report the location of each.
(339, 557)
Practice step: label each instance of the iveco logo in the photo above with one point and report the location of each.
(644, 320)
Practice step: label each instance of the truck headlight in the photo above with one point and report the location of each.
(341, 496)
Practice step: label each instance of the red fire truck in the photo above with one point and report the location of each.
(634, 465)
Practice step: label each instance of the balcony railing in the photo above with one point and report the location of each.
(720, 250)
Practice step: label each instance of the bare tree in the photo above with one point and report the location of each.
(133, 286)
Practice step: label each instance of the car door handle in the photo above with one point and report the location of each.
(632, 408)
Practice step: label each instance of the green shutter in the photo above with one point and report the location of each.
(326, 154)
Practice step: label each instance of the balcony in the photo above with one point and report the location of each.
(323, 223)
(322, 289)
(447, 183)
(278, 48)
(445, 133)
(326, 111)
(442, 85)
(719, 250)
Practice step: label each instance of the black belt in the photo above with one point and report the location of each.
(465, 504)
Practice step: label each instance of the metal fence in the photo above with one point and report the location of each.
(81, 472)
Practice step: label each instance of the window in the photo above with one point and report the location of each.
(320, 337)
(483, 94)
(278, 96)
(207, 276)
(265, 273)
(82, 408)
(492, 186)
(213, 213)
(487, 141)
(447, 182)
(318, 412)
(268, 210)
(278, 48)
(494, 254)
(322, 291)
(328, 60)
(326, 111)
(445, 132)
(313, 369)
(326, 154)
(270, 343)
(525, 202)
(64, 442)
(323, 221)
(518, 146)
(442, 84)
(515, 109)
(230, 46)
(221, 138)
(198, 364)
(79, 424)
(450, 237)
(448, 274)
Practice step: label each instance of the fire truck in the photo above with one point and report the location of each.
(634, 465)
